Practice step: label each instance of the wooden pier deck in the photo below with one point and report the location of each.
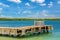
(19, 31)
(38, 27)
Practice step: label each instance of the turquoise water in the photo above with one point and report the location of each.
(54, 35)
(56, 32)
(16, 23)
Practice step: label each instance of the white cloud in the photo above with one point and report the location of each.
(1, 9)
(27, 11)
(44, 12)
(41, 14)
(50, 4)
(58, 2)
(38, 1)
(27, 4)
(18, 12)
(4, 16)
(32, 0)
(35, 15)
(5, 5)
(52, 16)
(43, 4)
(16, 1)
(9, 16)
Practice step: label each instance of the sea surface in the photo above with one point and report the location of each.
(53, 35)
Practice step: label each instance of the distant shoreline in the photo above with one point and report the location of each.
(22, 19)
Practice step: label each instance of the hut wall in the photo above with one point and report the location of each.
(39, 23)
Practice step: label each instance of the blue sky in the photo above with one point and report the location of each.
(29, 8)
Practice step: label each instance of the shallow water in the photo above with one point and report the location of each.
(54, 35)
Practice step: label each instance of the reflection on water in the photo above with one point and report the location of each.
(43, 36)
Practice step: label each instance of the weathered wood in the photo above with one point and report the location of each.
(34, 29)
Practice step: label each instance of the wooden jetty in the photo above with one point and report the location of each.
(38, 27)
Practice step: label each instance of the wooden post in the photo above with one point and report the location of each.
(23, 32)
(45, 29)
(40, 29)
